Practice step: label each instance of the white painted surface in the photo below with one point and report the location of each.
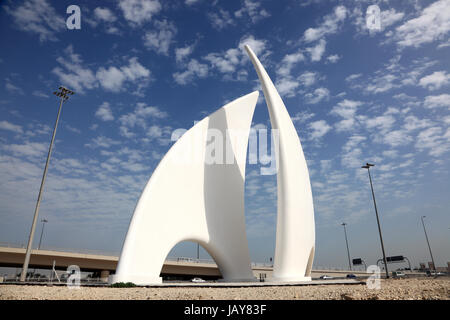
(193, 201)
(295, 237)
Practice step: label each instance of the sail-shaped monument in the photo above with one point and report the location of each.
(191, 198)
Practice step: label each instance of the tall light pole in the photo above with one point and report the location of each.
(346, 242)
(428, 242)
(63, 93)
(44, 221)
(367, 166)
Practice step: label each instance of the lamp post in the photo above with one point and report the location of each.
(428, 242)
(63, 93)
(44, 221)
(346, 242)
(367, 166)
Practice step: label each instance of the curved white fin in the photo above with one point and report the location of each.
(295, 238)
(187, 199)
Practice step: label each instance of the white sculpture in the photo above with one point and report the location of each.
(295, 239)
(203, 202)
(190, 200)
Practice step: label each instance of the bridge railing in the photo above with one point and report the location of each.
(187, 259)
(50, 248)
(175, 259)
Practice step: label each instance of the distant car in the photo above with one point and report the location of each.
(326, 277)
(351, 276)
(198, 280)
(398, 274)
(439, 274)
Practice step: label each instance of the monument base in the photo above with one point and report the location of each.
(289, 279)
(136, 279)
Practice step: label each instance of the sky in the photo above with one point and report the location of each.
(142, 69)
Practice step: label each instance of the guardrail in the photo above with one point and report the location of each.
(175, 259)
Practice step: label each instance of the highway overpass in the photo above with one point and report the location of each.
(106, 264)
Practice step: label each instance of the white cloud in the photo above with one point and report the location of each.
(302, 117)
(413, 123)
(72, 129)
(12, 88)
(75, 76)
(435, 80)
(102, 142)
(432, 24)
(347, 110)
(330, 25)
(318, 95)
(435, 140)
(251, 8)
(139, 118)
(139, 11)
(113, 78)
(40, 94)
(351, 156)
(319, 129)
(317, 51)
(390, 17)
(353, 142)
(333, 58)
(104, 112)
(38, 17)
(286, 84)
(227, 62)
(5, 125)
(353, 77)
(191, 2)
(182, 53)
(194, 68)
(288, 63)
(154, 132)
(28, 149)
(396, 138)
(220, 19)
(287, 87)
(160, 39)
(104, 14)
(258, 46)
(308, 78)
(382, 83)
(442, 100)
(383, 123)
(393, 75)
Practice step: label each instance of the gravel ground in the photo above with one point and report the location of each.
(402, 289)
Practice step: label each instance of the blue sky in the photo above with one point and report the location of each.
(141, 69)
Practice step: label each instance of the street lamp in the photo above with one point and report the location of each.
(367, 166)
(44, 221)
(428, 242)
(346, 242)
(63, 93)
